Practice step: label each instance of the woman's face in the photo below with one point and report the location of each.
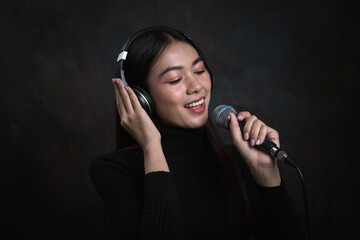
(180, 86)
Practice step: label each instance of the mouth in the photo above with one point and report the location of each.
(196, 103)
(197, 106)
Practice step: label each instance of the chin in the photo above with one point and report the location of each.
(197, 123)
(187, 122)
(197, 126)
(184, 120)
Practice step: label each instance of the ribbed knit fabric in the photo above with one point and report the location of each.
(186, 203)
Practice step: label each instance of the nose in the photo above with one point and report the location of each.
(193, 84)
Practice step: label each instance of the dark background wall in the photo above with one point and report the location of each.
(292, 63)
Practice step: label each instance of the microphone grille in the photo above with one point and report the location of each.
(221, 115)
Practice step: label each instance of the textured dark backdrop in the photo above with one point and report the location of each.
(292, 63)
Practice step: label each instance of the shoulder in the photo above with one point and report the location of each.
(124, 158)
(125, 163)
(118, 177)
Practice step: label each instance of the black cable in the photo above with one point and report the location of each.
(222, 119)
(291, 163)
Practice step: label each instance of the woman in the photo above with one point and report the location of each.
(181, 181)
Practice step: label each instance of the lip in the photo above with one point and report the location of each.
(197, 109)
(196, 100)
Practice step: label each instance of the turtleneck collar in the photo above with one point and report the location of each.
(174, 139)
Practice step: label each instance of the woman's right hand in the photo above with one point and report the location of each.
(133, 117)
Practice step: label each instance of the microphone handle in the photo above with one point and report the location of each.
(266, 146)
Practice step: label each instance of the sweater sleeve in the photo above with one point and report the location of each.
(272, 214)
(276, 218)
(138, 206)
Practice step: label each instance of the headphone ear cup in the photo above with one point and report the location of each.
(144, 99)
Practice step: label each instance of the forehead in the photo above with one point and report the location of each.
(176, 54)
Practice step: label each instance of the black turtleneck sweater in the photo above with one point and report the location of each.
(188, 202)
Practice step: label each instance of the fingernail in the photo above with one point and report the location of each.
(252, 142)
(246, 136)
(257, 142)
(113, 80)
(239, 117)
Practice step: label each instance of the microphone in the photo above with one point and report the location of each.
(221, 117)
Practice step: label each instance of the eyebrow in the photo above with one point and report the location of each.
(199, 59)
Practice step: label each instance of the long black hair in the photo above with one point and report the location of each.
(143, 53)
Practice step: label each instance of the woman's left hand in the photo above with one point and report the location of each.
(262, 166)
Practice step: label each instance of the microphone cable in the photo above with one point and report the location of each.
(291, 163)
(221, 116)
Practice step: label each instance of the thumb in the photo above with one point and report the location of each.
(236, 133)
(235, 129)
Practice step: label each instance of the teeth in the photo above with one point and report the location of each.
(195, 104)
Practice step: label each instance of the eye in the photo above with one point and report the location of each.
(175, 81)
(200, 72)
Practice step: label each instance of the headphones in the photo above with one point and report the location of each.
(144, 97)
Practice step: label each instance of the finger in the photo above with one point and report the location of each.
(119, 104)
(241, 144)
(248, 125)
(235, 129)
(133, 98)
(254, 133)
(273, 135)
(242, 115)
(124, 96)
(262, 135)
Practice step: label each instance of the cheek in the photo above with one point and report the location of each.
(207, 82)
(167, 100)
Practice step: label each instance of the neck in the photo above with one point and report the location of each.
(175, 139)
